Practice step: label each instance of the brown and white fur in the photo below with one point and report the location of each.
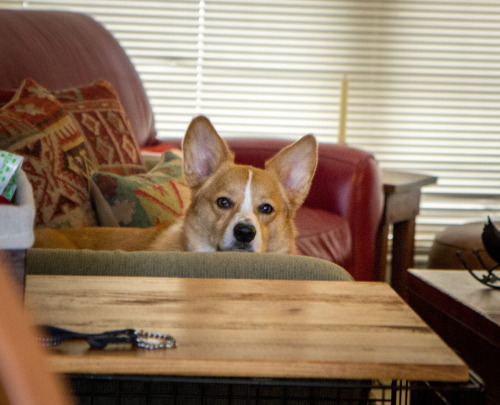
(237, 207)
(233, 207)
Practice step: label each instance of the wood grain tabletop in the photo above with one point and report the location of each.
(244, 328)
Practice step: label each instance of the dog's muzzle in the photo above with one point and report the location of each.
(242, 237)
(244, 232)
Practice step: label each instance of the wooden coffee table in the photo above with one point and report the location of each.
(244, 328)
(466, 314)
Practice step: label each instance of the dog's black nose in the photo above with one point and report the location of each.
(244, 233)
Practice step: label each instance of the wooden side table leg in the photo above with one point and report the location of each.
(402, 254)
(381, 247)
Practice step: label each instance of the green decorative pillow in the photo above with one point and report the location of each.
(56, 160)
(142, 200)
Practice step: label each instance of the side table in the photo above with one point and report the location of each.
(402, 204)
(466, 314)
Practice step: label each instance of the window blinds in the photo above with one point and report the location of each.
(424, 81)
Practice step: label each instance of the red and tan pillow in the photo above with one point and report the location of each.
(56, 160)
(101, 118)
(98, 113)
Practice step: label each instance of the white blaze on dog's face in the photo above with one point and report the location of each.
(243, 208)
(243, 231)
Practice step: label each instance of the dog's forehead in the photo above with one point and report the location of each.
(260, 180)
(241, 174)
(235, 180)
(264, 180)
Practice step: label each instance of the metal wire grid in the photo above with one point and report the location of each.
(148, 390)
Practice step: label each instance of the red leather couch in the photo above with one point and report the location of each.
(340, 217)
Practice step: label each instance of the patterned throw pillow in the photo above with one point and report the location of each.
(34, 124)
(100, 116)
(143, 200)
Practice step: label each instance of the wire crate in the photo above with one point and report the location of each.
(160, 390)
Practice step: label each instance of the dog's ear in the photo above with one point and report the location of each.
(204, 151)
(295, 166)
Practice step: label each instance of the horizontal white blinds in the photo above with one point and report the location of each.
(272, 67)
(424, 81)
(431, 104)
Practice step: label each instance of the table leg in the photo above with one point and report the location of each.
(402, 254)
(381, 248)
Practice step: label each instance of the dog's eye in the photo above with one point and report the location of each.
(266, 209)
(224, 203)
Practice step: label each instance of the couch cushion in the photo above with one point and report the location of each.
(324, 235)
(182, 264)
(56, 161)
(142, 200)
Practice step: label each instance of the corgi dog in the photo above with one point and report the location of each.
(237, 207)
(233, 207)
